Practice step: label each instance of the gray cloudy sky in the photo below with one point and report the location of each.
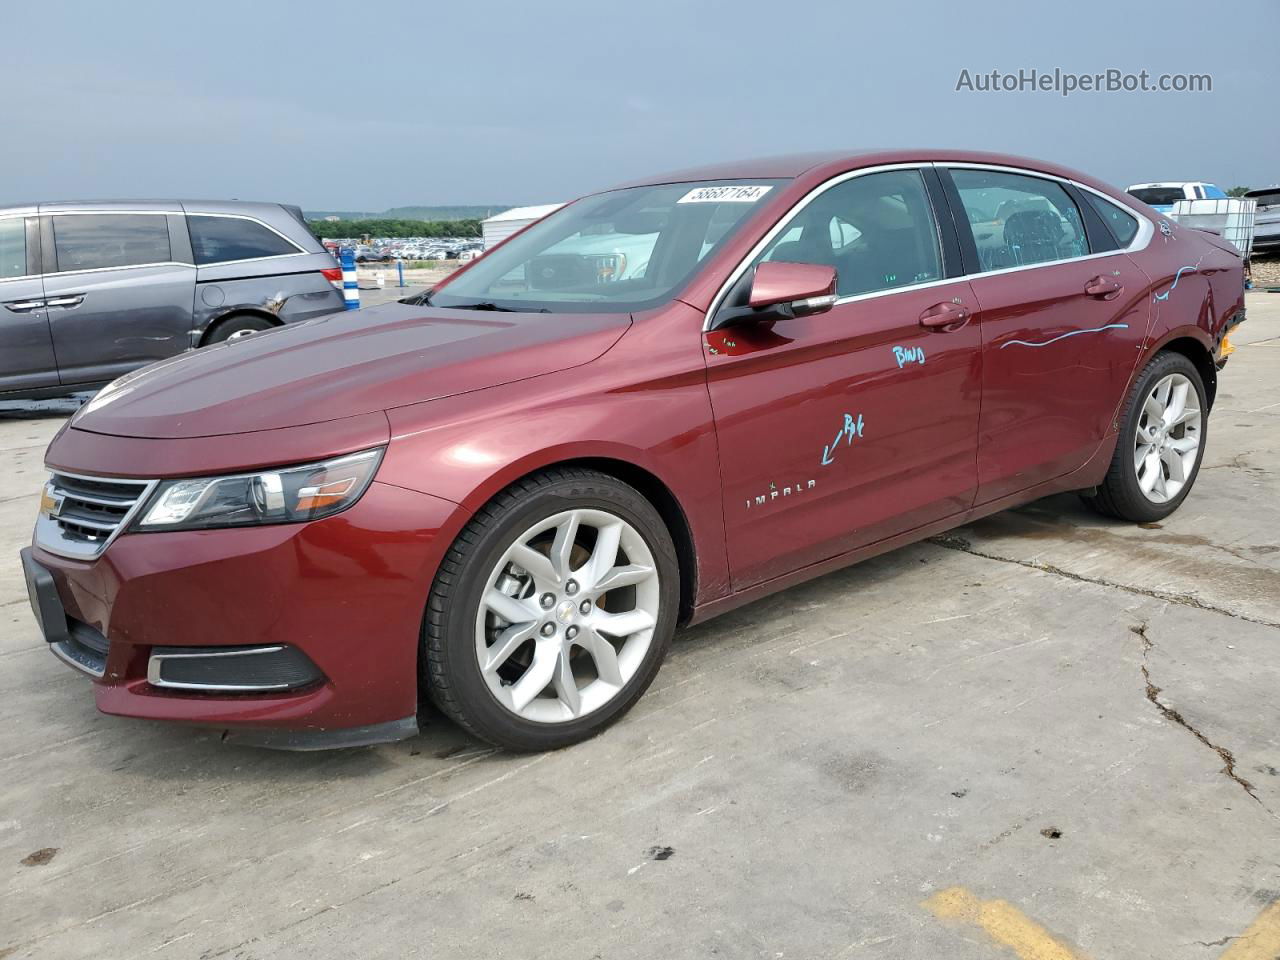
(344, 106)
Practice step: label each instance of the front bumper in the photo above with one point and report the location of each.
(344, 594)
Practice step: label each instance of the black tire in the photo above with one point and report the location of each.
(237, 326)
(1119, 494)
(450, 670)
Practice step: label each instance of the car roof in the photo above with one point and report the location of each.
(189, 206)
(830, 163)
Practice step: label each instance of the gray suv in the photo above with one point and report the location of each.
(90, 291)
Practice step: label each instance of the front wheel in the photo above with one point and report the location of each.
(552, 611)
(1161, 443)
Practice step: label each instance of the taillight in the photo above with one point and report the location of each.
(334, 276)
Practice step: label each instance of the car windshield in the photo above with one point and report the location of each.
(617, 251)
(1158, 196)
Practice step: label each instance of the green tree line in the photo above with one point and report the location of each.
(327, 229)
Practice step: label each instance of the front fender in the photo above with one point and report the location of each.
(652, 413)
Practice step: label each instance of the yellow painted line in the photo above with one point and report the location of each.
(1261, 941)
(1009, 926)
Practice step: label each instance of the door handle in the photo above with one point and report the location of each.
(947, 317)
(71, 301)
(24, 306)
(1106, 288)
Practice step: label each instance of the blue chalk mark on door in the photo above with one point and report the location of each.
(905, 355)
(848, 430)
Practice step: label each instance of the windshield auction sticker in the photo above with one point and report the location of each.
(735, 193)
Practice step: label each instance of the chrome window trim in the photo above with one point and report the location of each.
(25, 276)
(274, 256)
(783, 221)
(1146, 230)
(155, 662)
(43, 523)
(131, 266)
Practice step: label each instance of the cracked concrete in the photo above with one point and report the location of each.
(974, 711)
(1169, 713)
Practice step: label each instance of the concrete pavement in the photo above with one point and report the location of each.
(1073, 716)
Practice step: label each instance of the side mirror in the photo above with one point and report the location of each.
(781, 291)
(788, 283)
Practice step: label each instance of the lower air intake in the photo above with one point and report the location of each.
(231, 669)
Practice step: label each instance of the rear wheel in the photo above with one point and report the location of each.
(552, 611)
(232, 328)
(1161, 443)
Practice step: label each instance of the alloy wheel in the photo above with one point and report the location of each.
(1167, 439)
(567, 616)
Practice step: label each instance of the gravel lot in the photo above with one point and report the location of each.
(1043, 732)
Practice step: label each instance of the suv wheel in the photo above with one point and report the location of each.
(237, 326)
(1161, 443)
(552, 611)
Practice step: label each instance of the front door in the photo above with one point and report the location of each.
(26, 349)
(1061, 335)
(844, 428)
(117, 300)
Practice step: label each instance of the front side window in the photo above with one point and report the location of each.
(94, 241)
(618, 251)
(1019, 220)
(1213, 193)
(224, 239)
(13, 248)
(877, 230)
(1124, 225)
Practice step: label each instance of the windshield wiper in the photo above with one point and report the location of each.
(490, 305)
(418, 300)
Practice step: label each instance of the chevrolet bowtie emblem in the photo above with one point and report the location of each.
(49, 504)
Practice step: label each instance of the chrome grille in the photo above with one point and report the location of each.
(80, 515)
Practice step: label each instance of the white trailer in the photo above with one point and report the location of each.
(497, 228)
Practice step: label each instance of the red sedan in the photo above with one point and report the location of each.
(658, 403)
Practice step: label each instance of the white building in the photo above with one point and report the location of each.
(498, 228)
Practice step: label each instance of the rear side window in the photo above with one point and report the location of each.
(13, 248)
(1124, 226)
(223, 239)
(97, 240)
(1018, 220)
(877, 230)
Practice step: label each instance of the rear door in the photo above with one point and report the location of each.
(1062, 324)
(26, 349)
(844, 428)
(117, 295)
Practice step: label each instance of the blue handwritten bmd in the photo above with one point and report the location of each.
(849, 429)
(905, 355)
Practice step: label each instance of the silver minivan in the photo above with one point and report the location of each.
(90, 291)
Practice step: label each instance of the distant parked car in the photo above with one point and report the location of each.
(1162, 196)
(1266, 224)
(91, 291)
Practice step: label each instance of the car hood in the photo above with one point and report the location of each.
(341, 366)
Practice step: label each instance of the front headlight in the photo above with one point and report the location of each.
(284, 495)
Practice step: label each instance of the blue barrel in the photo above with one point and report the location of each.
(350, 288)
